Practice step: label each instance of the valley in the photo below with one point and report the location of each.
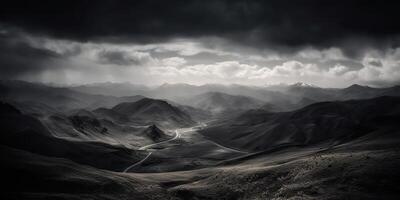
(214, 146)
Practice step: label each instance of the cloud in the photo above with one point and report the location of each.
(173, 61)
(338, 70)
(380, 69)
(18, 58)
(205, 60)
(287, 69)
(337, 75)
(227, 69)
(322, 55)
(276, 24)
(124, 58)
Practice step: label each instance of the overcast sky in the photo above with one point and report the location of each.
(326, 43)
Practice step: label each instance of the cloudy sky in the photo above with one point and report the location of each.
(326, 43)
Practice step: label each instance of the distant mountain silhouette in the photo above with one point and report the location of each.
(112, 89)
(283, 96)
(218, 102)
(63, 99)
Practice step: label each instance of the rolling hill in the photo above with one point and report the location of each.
(24, 132)
(149, 111)
(330, 122)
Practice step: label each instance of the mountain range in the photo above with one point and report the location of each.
(329, 122)
(179, 141)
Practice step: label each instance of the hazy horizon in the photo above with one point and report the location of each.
(266, 85)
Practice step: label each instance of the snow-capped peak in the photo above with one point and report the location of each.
(302, 84)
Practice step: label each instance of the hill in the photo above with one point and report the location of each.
(26, 133)
(330, 122)
(149, 111)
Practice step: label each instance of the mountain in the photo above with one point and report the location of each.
(356, 91)
(63, 99)
(197, 114)
(302, 84)
(155, 134)
(83, 125)
(149, 111)
(330, 122)
(284, 106)
(110, 101)
(112, 89)
(297, 93)
(217, 102)
(284, 97)
(111, 115)
(285, 150)
(181, 92)
(26, 133)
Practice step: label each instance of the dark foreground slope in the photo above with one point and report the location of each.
(329, 122)
(31, 176)
(366, 168)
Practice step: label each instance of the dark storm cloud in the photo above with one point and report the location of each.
(18, 58)
(281, 24)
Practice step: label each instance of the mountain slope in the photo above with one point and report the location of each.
(155, 134)
(63, 99)
(218, 102)
(27, 133)
(332, 122)
(27, 175)
(148, 111)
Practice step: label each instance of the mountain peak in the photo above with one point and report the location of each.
(302, 84)
(155, 133)
(155, 111)
(357, 86)
(128, 107)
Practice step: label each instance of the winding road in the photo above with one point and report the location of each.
(228, 148)
(137, 163)
(177, 135)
